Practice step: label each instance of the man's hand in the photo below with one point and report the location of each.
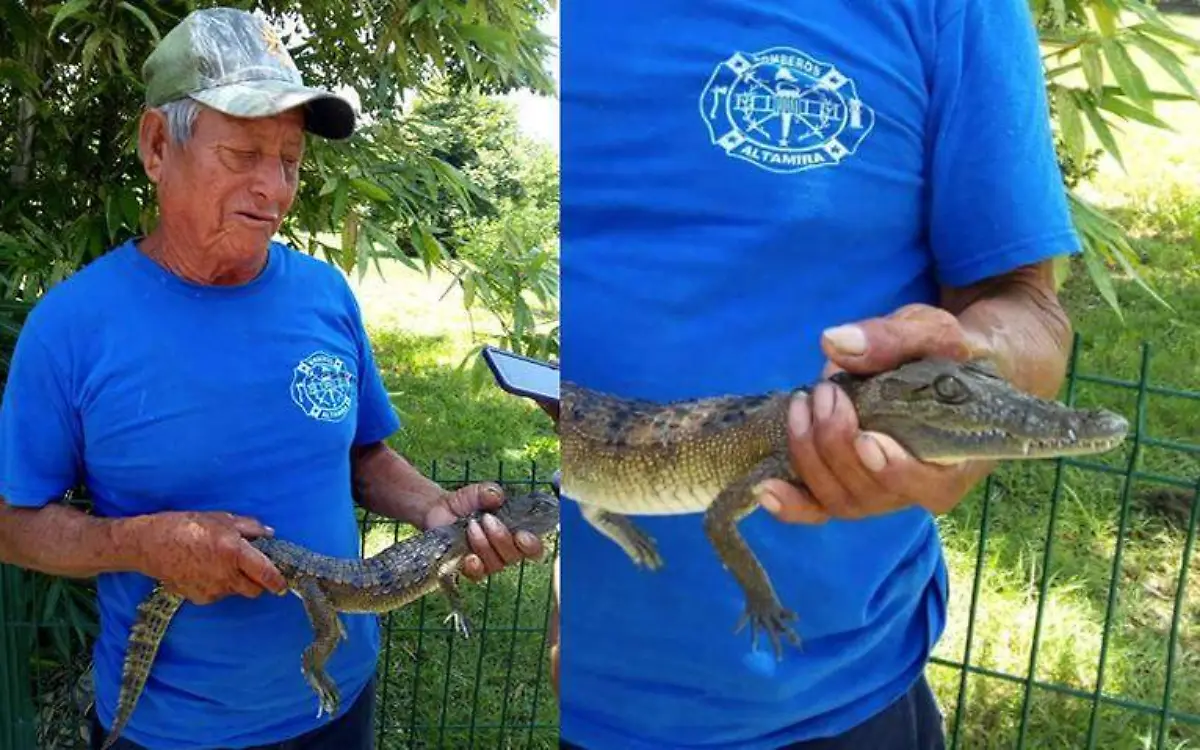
(205, 557)
(493, 545)
(853, 474)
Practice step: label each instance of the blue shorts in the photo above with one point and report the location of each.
(912, 723)
(353, 730)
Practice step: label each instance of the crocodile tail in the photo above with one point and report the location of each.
(154, 614)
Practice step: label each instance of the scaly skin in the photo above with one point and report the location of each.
(393, 578)
(632, 457)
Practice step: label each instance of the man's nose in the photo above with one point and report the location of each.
(273, 178)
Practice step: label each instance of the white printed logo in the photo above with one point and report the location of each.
(323, 387)
(784, 111)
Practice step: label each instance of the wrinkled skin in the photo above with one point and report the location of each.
(222, 194)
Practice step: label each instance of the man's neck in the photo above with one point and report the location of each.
(199, 266)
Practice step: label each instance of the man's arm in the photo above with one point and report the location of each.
(63, 541)
(386, 484)
(1017, 318)
(202, 556)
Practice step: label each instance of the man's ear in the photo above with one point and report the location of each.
(153, 141)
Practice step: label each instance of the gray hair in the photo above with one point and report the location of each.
(181, 116)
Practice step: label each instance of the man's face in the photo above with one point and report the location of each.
(226, 190)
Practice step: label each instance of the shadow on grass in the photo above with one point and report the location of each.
(1077, 631)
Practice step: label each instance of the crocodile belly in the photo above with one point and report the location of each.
(641, 494)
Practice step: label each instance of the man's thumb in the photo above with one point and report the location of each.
(879, 344)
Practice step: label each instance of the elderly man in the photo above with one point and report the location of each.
(764, 191)
(209, 385)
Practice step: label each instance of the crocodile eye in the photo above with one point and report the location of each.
(950, 389)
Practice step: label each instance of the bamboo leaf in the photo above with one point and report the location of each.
(1103, 133)
(91, 47)
(1101, 277)
(1093, 68)
(145, 19)
(1128, 75)
(1059, 9)
(68, 10)
(1070, 122)
(1168, 61)
(1105, 19)
(371, 190)
(1119, 106)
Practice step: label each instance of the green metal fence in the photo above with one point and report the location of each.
(435, 688)
(1074, 610)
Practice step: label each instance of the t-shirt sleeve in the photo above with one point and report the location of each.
(40, 434)
(377, 419)
(997, 197)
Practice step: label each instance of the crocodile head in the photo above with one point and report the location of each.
(536, 512)
(946, 412)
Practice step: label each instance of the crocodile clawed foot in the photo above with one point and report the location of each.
(644, 553)
(773, 619)
(328, 698)
(461, 623)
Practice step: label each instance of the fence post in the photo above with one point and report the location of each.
(16, 704)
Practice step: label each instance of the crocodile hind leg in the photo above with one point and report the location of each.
(636, 543)
(327, 631)
(154, 614)
(449, 585)
(763, 609)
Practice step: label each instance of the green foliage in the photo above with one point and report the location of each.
(1095, 82)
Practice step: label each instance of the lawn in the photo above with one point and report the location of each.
(1064, 597)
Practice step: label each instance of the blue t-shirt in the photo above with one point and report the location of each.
(163, 395)
(737, 177)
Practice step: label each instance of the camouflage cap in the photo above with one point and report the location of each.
(235, 62)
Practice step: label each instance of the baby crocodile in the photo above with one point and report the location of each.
(623, 456)
(393, 578)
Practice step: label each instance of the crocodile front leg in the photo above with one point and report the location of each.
(636, 543)
(327, 631)
(763, 609)
(449, 585)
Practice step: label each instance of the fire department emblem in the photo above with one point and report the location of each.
(323, 387)
(784, 111)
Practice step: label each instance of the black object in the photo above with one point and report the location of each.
(523, 376)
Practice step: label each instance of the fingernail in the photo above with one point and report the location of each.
(491, 522)
(767, 500)
(847, 339)
(870, 452)
(799, 418)
(526, 541)
(270, 530)
(823, 402)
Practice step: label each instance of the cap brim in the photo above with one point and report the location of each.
(325, 113)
